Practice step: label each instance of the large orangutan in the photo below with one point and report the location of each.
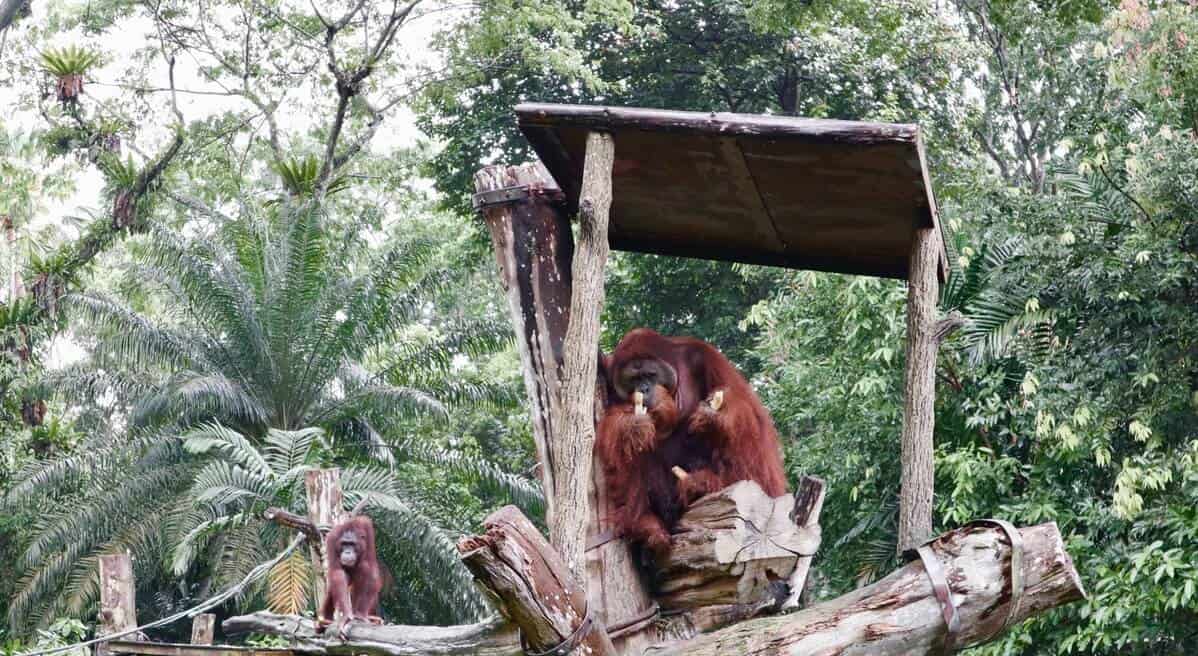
(681, 422)
(354, 578)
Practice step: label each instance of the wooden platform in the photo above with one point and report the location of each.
(841, 196)
(183, 649)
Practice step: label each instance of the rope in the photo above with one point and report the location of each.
(211, 603)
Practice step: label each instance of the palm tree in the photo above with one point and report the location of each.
(270, 334)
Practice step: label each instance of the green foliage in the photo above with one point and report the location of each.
(300, 176)
(273, 335)
(69, 60)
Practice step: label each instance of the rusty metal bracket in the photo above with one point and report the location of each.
(944, 595)
(599, 539)
(485, 199)
(565, 646)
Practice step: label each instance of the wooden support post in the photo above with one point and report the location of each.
(203, 629)
(534, 250)
(575, 444)
(323, 487)
(919, 407)
(532, 586)
(809, 502)
(118, 601)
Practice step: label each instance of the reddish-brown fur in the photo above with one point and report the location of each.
(352, 592)
(716, 447)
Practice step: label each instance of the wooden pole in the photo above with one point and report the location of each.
(577, 400)
(533, 587)
(919, 408)
(323, 487)
(203, 629)
(118, 601)
(534, 250)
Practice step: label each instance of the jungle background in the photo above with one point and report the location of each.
(238, 244)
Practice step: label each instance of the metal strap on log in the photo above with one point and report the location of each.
(941, 588)
(1016, 564)
(565, 647)
(620, 629)
(485, 199)
(948, 610)
(599, 539)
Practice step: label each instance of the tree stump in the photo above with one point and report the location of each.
(736, 546)
(532, 587)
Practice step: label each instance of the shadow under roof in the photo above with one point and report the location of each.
(841, 196)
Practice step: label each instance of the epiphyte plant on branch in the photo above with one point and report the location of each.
(69, 64)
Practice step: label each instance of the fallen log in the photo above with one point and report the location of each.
(493, 638)
(901, 614)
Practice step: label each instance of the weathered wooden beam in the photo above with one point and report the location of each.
(533, 249)
(919, 400)
(493, 638)
(118, 601)
(736, 546)
(530, 232)
(808, 502)
(203, 629)
(716, 123)
(175, 649)
(901, 615)
(532, 586)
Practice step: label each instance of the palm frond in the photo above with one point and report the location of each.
(232, 445)
(525, 493)
(289, 585)
(286, 450)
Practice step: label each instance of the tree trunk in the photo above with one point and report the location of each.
(118, 603)
(574, 447)
(532, 586)
(919, 411)
(901, 615)
(323, 487)
(534, 250)
(530, 231)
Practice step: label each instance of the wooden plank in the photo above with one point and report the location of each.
(808, 503)
(716, 123)
(178, 649)
(203, 629)
(323, 488)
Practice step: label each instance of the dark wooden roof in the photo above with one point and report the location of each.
(839, 196)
